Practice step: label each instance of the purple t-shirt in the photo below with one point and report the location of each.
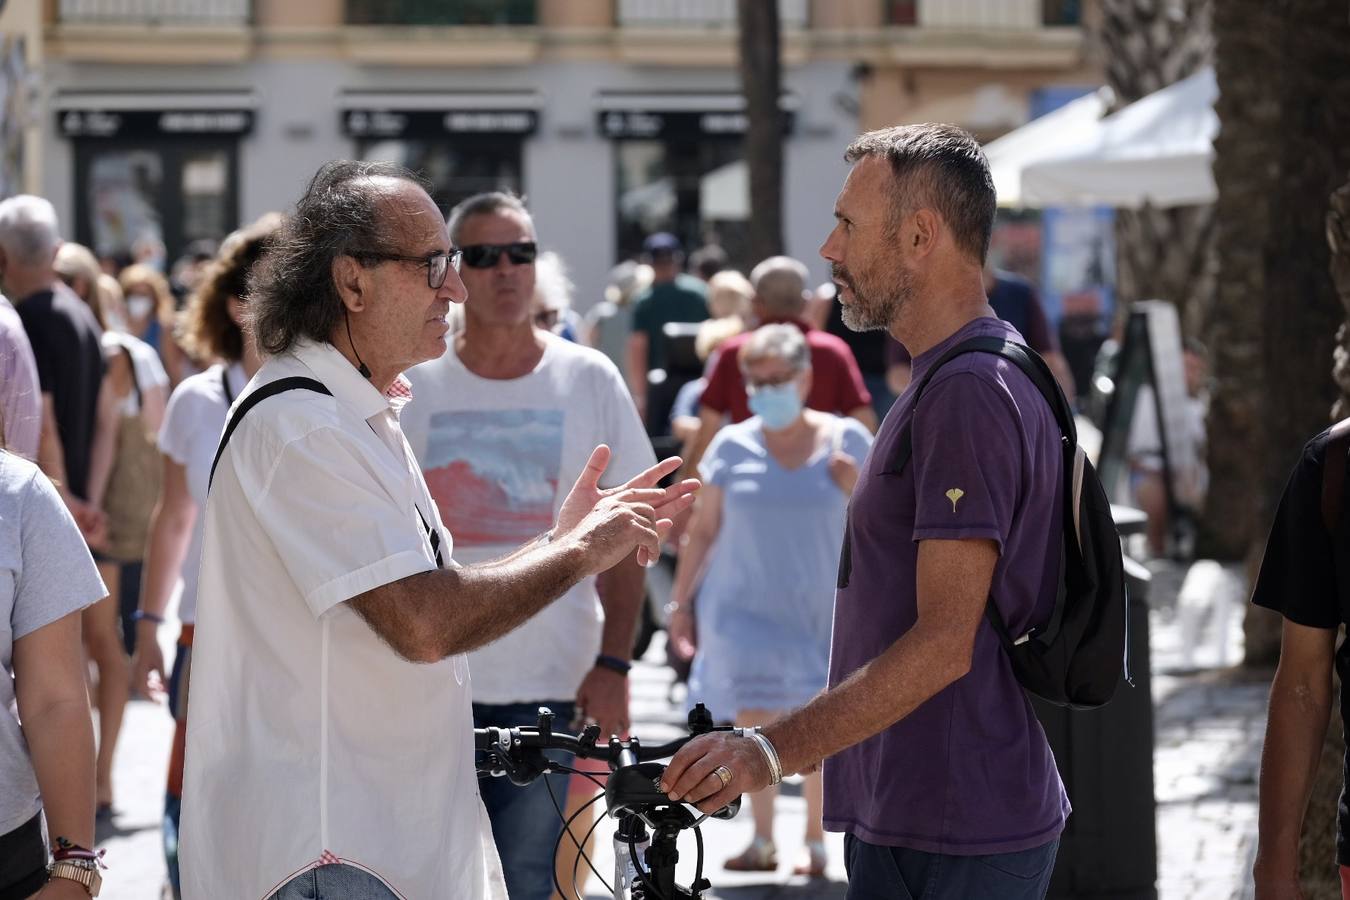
(969, 772)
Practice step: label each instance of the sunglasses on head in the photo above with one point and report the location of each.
(485, 256)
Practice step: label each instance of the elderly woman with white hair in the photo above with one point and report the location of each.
(765, 535)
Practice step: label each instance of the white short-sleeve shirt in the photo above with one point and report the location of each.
(307, 734)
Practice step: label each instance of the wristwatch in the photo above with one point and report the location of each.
(83, 871)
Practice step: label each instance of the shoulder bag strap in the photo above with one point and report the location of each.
(225, 383)
(270, 389)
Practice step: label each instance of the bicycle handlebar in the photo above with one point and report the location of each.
(515, 748)
(632, 792)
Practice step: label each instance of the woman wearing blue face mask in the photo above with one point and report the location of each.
(765, 539)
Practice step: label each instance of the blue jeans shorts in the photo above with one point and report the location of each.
(336, 882)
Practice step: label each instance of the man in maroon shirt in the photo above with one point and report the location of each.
(836, 382)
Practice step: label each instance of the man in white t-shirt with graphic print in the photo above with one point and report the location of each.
(501, 424)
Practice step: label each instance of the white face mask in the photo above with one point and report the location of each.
(139, 306)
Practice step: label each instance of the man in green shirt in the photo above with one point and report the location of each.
(673, 297)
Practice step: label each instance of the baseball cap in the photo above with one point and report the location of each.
(661, 242)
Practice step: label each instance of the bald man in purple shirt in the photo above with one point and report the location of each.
(936, 768)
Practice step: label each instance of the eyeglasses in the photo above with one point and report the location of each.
(485, 256)
(438, 264)
(752, 384)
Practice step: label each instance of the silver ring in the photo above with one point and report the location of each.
(723, 775)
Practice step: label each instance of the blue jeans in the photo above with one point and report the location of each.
(898, 873)
(337, 882)
(525, 823)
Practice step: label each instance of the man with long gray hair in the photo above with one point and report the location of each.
(936, 768)
(329, 746)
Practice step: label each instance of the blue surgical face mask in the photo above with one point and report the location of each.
(777, 405)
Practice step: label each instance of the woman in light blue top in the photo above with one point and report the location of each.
(766, 533)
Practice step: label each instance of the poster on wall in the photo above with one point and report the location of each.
(14, 91)
(1078, 262)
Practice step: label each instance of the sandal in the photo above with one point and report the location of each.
(814, 862)
(760, 856)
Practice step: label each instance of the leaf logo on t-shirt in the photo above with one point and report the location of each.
(953, 495)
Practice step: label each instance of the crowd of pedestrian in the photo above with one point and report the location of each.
(460, 474)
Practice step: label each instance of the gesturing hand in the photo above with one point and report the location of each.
(640, 492)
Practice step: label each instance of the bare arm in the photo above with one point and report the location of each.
(105, 432)
(621, 589)
(1300, 706)
(867, 416)
(694, 546)
(432, 615)
(170, 534)
(637, 370)
(952, 580)
(603, 694)
(51, 455)
(697, 540)
(709, 423)
(54, 707)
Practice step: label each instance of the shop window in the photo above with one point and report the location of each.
(457, 168)
(169, 191)
(697, 189)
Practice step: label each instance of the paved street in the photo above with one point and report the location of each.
(1209, 721)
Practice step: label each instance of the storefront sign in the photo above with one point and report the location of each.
(424, 123)
(636, 124)
(144, 123)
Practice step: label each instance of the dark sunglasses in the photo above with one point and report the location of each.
(485, 256)
(438, 264)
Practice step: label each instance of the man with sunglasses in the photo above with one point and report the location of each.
(329, 750)
(503, 420)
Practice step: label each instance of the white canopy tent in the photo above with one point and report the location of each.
(1040, 139)
(1158, 150)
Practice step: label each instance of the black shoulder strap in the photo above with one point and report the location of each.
(271, 389)
(1333, 474)
(1026, 359)
(225, 383)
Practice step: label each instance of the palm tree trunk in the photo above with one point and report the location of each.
(1283, 147)
(761, 81)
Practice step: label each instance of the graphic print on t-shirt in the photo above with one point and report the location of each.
(494, 473)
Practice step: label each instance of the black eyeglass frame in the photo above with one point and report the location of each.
(485, 256)
(452, 260)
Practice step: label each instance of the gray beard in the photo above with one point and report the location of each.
(857, 320)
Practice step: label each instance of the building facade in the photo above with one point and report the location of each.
(173, 120)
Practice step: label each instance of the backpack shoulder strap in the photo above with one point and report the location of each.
(1333, 474)
(1026, 359)
(271, 389)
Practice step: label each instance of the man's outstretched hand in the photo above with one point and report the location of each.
(641, 491)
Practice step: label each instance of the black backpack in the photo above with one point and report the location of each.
(1077, 657)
